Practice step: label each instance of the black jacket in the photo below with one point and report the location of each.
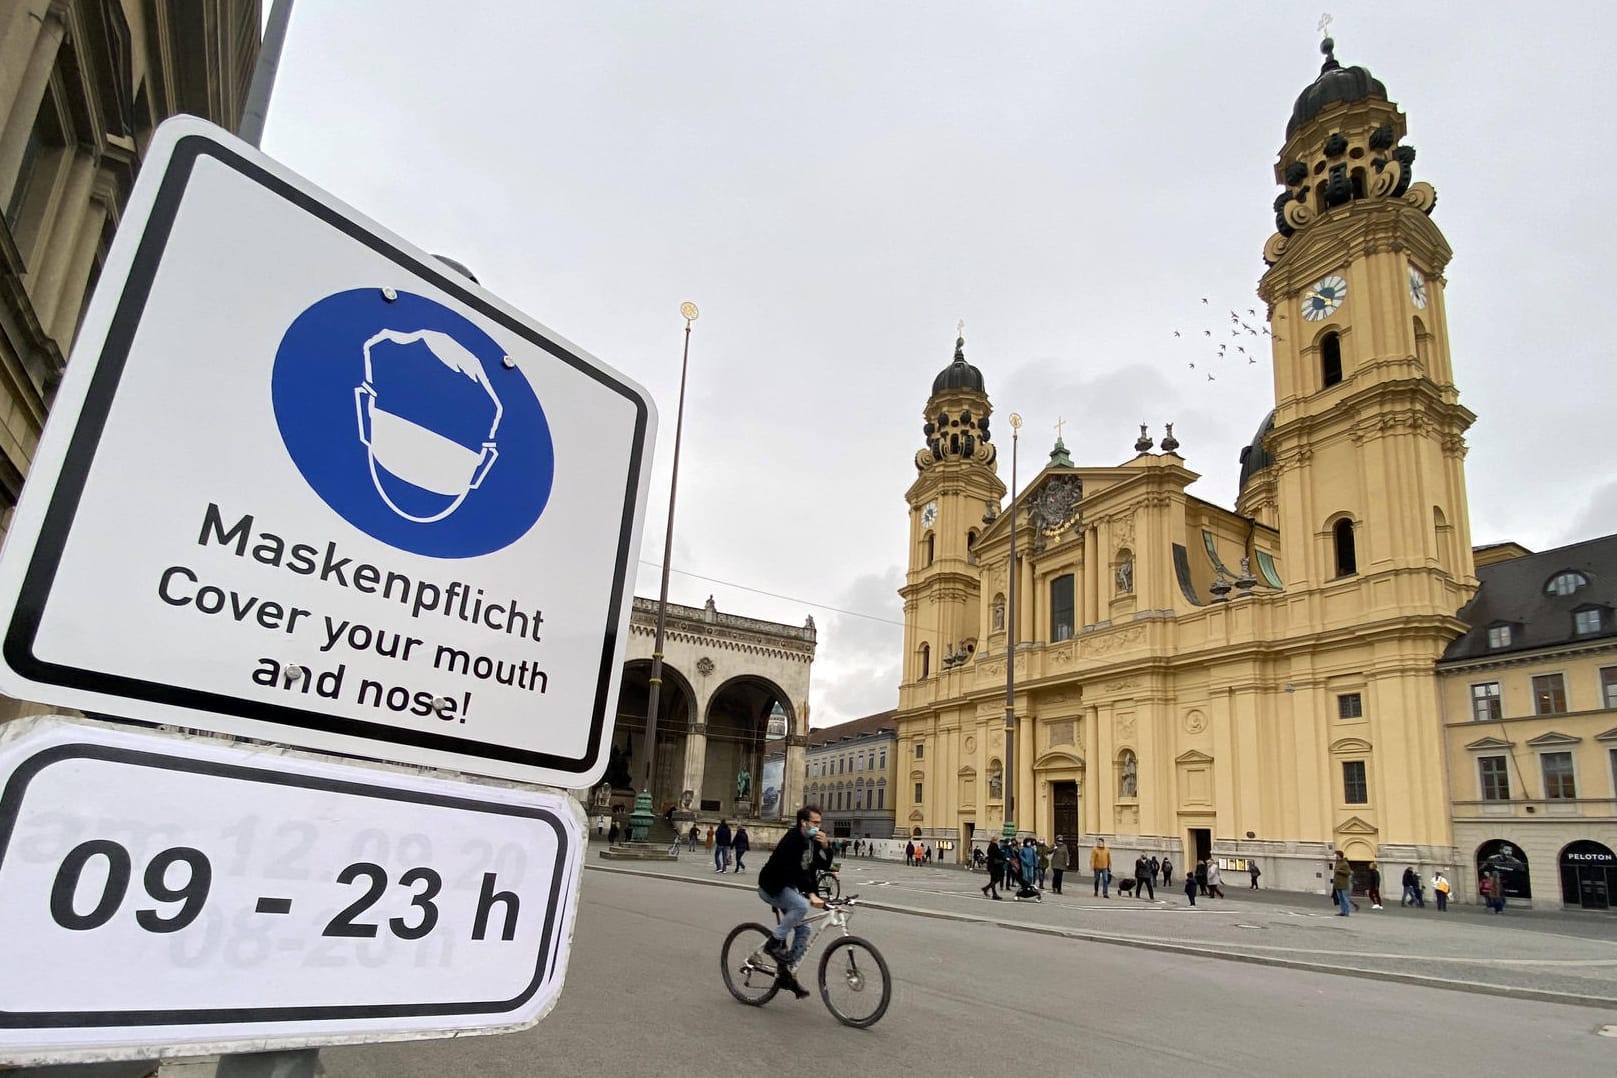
(996, 856)
(723, 837)
(793, 863)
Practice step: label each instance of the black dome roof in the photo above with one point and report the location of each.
(1335, 83)
(959, 374)
(1254, 458)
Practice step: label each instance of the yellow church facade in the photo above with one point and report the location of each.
(1195, 681)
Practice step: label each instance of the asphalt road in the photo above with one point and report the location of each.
(644, 997)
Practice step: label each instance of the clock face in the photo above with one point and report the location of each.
(929, 515)
(1417, 288)
(1323, 297)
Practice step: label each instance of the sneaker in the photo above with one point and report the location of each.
(1376, 906)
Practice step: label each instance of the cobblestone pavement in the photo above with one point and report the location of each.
(1559, 956)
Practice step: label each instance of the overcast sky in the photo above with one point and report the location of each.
(835, 184)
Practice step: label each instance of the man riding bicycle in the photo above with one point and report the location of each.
(787, 884)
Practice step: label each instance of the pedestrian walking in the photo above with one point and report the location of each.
(909, 853)
(1342, 880)
(1190, 887)
(1411, 896)
(1492, 887)
(1100, 863)
(1201, 878)
(721, 847)
(1029, 857)
(1156, 869)
(1374, 888)
(695, 837)
(1215, 880)
(1058, 864)
(1254, 871)
(1044, 861)
(1142, 878)
(612, 833)
(707, 842)
(1167, 872)
(996, 871)
(1440, 888)
(740, 843)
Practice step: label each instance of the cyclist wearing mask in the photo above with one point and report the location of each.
(787, 883)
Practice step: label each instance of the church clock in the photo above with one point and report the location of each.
(1323, 297)
(929, 515)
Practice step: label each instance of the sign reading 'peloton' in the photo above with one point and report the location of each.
(304, 484)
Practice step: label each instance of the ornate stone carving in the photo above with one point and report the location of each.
(1060, 733)
(1122, 683)
(1106, 643)
(971, 744)
(705, 666)
(1125, 727)
(1195, 722)
(1125, 575)
(1127, 775)
(1122, 532)
(1057, 506)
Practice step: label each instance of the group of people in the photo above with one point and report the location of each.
(1025, 866)
(919, 853)
(724, 842)
(1414, 888)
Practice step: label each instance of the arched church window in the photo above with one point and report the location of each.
(1347, 559)
(1061, 608)
(1442, 532)
(1358, 183)
(1330, 359)
(926, 660)
(971, 547)
(930, 547)
(1423, 346)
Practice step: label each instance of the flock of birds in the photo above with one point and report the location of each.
(1239, 328)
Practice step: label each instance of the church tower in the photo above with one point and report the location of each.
(1364, 450)
(956, 488)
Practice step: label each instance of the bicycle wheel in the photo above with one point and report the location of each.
(854, 982)
(828, 886)
(749, 973)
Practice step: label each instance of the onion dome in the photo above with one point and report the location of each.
(959, 374)
(1254, 458)
(1335, 83)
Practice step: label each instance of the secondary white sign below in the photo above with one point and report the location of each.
(193, 896)
(304, 484)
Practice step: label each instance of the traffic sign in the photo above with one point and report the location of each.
(199, 896)
(303, 484)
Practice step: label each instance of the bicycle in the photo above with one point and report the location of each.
(827, 884)
(854, 981)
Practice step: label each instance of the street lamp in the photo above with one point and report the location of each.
(641, 819)
(1010, 655)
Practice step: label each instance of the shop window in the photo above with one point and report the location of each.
(1558, 780)
(1061, 608)
(1549, 694)
(1495, 778)
(1486, 705)
(1355, 790)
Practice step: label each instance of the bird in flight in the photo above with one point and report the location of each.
(1176, 333)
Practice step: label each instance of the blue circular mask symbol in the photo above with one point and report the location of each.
(403, 418)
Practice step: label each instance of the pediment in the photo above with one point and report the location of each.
(1058, 758)
(1554, 737)
(1490, 743)
(917, 815)
(1350, 744)
(1353, 825)
(1609, 735)
(967, 772)
(918, 775)
(1193, 757)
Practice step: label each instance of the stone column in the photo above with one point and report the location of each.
(792, 782)
(73, 211)
(36, 77)
(695, 764)
(74, 296)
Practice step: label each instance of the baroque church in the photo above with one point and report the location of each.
(1193, 681)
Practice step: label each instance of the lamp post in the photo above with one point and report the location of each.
(1010, 655)
(641, 819)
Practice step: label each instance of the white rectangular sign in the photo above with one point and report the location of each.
(161, 892)
(305, 484)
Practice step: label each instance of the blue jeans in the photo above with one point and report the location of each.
(1343, 900)
(721, 857)
(795, 906)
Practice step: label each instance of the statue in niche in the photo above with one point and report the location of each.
(603, 795)
(1125, 576)
(999, 615)
(743, 783)
(996, 784)
(1127, 785)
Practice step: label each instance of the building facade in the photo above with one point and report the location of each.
(1198, 682)
(850, 774)
(1530, 722)
(724, 676)
(83, 83)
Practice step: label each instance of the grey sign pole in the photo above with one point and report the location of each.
(269, 61)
